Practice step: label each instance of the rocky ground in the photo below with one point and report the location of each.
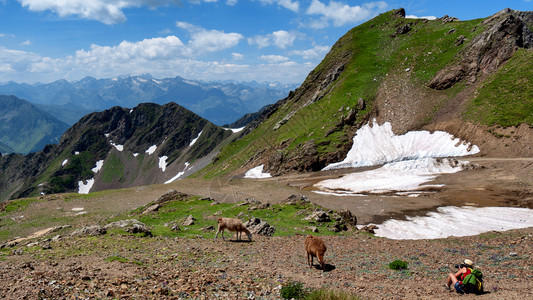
(115, 266)
(131, 267)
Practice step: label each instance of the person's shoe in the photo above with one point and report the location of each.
(446, 287)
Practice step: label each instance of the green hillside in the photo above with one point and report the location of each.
(506, 98)
(368, 53)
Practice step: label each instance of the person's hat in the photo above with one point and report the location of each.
(468, 263)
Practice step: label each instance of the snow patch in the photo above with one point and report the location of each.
(378, 145)
(257, 172)
(77, 208)
(400, 176)
(84, 188)
(457, 221)
(234, 130)
(179, 174)
(135, 154)
(76, 152)
(64, 162)
(151, 150)
(194, 140)
(99, 165)
(120, 148)
(163, 163)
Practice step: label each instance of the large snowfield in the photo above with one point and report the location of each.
(409, 162)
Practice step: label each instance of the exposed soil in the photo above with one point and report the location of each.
(155, 268)
(159, 268)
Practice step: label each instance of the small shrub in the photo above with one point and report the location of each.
(292, 290)
(398, 265)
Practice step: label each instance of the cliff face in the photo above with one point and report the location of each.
(503, 34)
(470, 78)
(115, 148)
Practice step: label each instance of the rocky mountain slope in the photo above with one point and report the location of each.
(115, 148)
(469, 78)
(24, 128)
(219, 102)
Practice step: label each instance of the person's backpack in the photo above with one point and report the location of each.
(473, 282)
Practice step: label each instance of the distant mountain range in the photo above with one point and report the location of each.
(24, 128)
(219, 102)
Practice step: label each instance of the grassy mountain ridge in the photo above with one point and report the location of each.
(384, 69)
(145, 145)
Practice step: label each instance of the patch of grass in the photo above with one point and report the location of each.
(19, 205)
(327, 294)
(506, 97)
(293, 290)
(398, 265)
(286, 219)
(121, 260)
(113, 169)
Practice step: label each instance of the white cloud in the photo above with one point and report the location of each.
(340, 14)
(231, 2)
(237, 56)
(17, 61)
(203, 40)
(156, 48)
(281, 39)
(261, 41)
(288, 4)
(26, 43)
(425, 17)
(107, 12)
(316, 52)
(274, 59)
(162, 57)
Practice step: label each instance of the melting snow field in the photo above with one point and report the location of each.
(400, 176)
(257, 173)
(378, 145)
(409, 162)
(457, 221)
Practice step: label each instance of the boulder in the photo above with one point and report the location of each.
(318, 216)
(348, 217)
(90, 230)
(258, 226)
(131, 226)
(189, 221)
(295, 200)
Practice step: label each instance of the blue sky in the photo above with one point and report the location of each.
(243, 40)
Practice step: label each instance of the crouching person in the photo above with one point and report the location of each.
(466, 279)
